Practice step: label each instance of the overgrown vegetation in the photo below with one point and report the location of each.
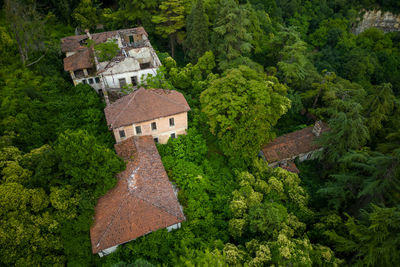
(250, 71)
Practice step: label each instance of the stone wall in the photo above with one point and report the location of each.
(386, 21)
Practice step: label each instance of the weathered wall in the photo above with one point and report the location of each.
(386, 21)
(163, 131)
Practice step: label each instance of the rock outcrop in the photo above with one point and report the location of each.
(386, 21)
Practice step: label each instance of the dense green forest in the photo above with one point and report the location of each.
(250, 70)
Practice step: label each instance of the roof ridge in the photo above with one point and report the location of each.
(111, 222)
(167, 97)
(157, 206)
(125, 107)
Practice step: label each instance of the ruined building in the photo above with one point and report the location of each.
(300, 144)
(135, 59)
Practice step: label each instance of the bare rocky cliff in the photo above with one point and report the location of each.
(386, 21)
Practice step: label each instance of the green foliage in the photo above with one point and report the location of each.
(372, 242)
(230, 38)
(106, 51)
(266, 209)
(242, 106)
(197, 32)
(170, 20)
(87, 14)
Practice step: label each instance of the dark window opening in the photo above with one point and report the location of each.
(84, 81)
(171, 122)
(97, 79)
(122, 133)
(156, 140)
(138, 130)
(90, 81)
(134, 80)
(131, 39)
(144, 65)
(153, 126)
(101, 92)
(122, 82)
(173, 135)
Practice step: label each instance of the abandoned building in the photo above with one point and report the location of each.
(300, 144)
(156, 112)
(135, 59)
(143, 201)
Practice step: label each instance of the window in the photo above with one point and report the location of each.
(156, 140)
(122, 133)
(122, 82)
(153, 126)
(144, 65)
(171, 122)
(84, 81)
(97, 79)
(130, 38)
(173, 135)
(134, 80)
(90, 81)
(101, 92)
(138, 130)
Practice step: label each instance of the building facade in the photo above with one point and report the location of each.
(156, 112)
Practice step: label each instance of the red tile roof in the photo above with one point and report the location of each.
(290, 166)
(291, 145)
(72, 43)
(82, 59)
(142, 202)
(144, 105)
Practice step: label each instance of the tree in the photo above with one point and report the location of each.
(365, 177)
(373, 241)
(170, 20)
(265, 223)
(197, 42)
(26, 26)
(230, 38)
(242, 106)
(348, 131)
(379, 106)
(86, 15)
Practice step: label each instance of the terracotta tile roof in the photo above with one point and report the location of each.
(82, 59)
(291, 145)
(144, 105)
(142, 202)
(72, 43)
(290, 166)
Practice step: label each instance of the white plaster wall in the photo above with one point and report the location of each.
(112, 80)
(108, 251)
(174, 227)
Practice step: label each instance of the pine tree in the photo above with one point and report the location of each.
(170, 20)
(197, 42)
(230, 39)
(380, 105)
(375, 242)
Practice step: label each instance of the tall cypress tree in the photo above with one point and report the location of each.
(231, 39)
(170, 20)
(197, 42)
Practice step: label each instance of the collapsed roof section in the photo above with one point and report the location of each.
(135, 49)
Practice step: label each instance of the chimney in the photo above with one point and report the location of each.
(317, 128)
(106, 97)
(88, 34)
